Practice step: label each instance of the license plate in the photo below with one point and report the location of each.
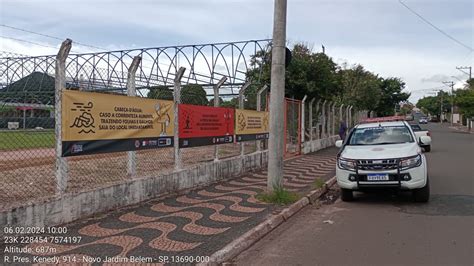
(377, 177)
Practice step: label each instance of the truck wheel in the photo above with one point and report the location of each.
(427, 148)
(347, 195)
(422, 194)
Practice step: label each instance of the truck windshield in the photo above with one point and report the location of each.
(380, 135)
(416, 128)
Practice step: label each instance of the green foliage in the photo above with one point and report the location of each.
(392, 94)
(360, 88)
(233, 103)
(432, 104)
(465, 101)
(13, 140)
(406, 108)
(160, 92)
(211, 101)
(279, 196)
(318, 76)
(6, 109)
(194, 94)
(190, 94)
(318, 183)
(470, 84)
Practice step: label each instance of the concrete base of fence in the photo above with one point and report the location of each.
(71, 207)
(319, 144)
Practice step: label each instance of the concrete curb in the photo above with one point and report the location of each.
(240, 244)
(465, 130)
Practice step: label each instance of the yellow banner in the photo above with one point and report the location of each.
(99, 116)
(251, 122)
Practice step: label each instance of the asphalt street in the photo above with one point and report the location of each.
(384, 229)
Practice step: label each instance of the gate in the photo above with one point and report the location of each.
(292, 128)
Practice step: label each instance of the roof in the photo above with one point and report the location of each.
(384, 119)
(382, 124)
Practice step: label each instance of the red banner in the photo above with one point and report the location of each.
(205, 125)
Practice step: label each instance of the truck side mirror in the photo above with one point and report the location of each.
(425, 140)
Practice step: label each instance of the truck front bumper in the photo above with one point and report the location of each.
(412, 178)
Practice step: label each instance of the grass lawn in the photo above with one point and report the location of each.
(13, 140)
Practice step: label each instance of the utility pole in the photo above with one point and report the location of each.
(441, 109)
(277, 97)
(451, 84)
(465, 68)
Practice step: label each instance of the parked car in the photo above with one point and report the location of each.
(423, 120)
(383, 155)
(419, 131)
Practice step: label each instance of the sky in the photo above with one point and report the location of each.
(382, 35)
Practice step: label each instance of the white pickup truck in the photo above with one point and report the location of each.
(383, 155)
(419, 131)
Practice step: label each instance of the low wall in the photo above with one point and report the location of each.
(319, 144)
(71, 207)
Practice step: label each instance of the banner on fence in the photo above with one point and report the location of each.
(100, 123)
(251, 125)
(204, 125)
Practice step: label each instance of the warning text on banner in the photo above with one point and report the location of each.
(251, 125)
(204, 125)
(100, 123)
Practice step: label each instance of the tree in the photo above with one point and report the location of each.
(391, 94)
(160, 92)
(318, 76)
(190, 94)
(211, 101)
(359, 88)
(432, 104)
(312, 74)
(233, 103)
(193, 94)
(465, 101)
(470, 84)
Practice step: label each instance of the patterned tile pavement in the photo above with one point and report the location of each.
(195, 224)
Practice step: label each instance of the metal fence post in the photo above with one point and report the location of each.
(59, 86)
(311, 119)
(177, 101)
(340, 113)
(259, 108)
(328, 121)
(347, 116)
(323, 112)
(317, 115)
(333, 119)
(350, 116)
(241, 106)
(216, 104)
(303, 118)
(132, 92)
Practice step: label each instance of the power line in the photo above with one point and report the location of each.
(30, 42)
(25, 41)
(435, 27)
(50, 36)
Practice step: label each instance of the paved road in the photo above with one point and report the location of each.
(384, 230)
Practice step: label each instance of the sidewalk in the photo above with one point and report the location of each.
(195, 224)
(461, 128)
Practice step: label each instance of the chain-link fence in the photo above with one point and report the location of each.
(28, 162)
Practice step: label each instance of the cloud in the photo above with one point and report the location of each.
(379, 34)
(436, 78)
